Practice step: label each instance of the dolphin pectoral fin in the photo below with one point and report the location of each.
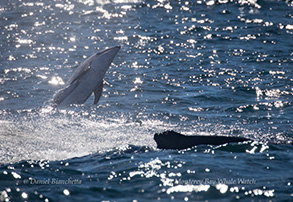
(98, 92)
(64, 92)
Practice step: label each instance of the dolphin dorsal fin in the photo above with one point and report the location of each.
(81, 69)
(80, 74)
(98, 92)
(62, 93)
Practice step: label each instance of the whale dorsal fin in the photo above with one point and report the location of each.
(98, 92)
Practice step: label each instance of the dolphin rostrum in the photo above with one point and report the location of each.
(87, 78)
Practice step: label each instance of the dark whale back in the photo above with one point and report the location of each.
(174, 140)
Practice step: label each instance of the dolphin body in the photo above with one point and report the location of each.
(86, 79)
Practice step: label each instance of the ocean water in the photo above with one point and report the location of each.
(201, 67)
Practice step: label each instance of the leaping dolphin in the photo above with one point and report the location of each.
(87, 78)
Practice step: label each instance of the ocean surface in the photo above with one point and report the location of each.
(215, 67)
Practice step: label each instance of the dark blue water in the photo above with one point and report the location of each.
(196, 67)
